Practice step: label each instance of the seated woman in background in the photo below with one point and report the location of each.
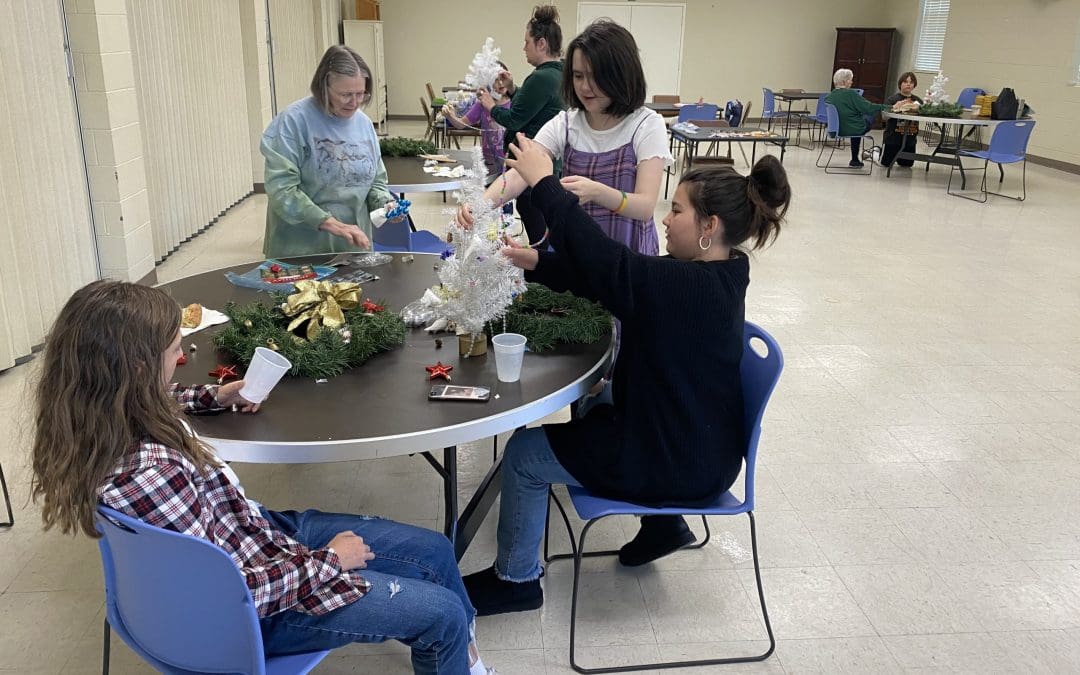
(673, 432)
(491, 132)
(855, 112)
(324, 168)
(895, 130)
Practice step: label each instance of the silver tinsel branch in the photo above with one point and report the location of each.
(478, 282)
(485, 66)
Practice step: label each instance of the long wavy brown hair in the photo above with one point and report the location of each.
(99, 394)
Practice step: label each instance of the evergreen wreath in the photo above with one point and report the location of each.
(941, 110)
(328, 355)
(400, 146)
(546, 318)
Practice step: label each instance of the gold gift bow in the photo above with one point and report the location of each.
(320, 303)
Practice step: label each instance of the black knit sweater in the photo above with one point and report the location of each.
(675, 433)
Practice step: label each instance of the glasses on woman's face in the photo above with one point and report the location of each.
(348, 97)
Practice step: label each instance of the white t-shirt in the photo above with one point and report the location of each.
(650, 139)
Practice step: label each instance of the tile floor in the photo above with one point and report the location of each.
(918, 499)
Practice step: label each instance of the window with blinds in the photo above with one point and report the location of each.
(931, 36)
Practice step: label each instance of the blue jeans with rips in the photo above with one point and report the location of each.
(429, 611)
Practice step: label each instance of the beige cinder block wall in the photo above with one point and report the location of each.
(1027, 45)
(731, 49)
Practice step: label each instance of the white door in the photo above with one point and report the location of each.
(658, 30)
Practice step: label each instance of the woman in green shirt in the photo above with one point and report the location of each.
(856, 113)
(536, 101)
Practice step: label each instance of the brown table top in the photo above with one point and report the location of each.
(379, 408)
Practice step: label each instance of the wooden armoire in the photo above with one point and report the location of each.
(867, 52)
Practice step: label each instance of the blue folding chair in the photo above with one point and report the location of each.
(818, 120)
(181, 604)
(769, 111)
(7, 500)
(698, 111)
(401, 237)
(966, 99)
(1008, 145)
(832, 128)
(760, 373)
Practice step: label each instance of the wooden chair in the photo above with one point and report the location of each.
(665, 98)
(432, 131)
(430, 93)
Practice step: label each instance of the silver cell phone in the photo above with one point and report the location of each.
(453, 392)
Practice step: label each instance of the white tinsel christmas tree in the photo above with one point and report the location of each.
(478, 282)
(936, 93)
(485, 66)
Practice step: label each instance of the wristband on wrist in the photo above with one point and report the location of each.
(622, 204)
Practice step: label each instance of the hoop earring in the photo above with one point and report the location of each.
(704, 247)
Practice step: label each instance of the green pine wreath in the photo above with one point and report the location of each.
(328, 355)
(547, 318)
(941, 110)
(400, 146)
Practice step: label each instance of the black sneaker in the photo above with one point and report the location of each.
(491, 595)
(658, 536)
(855, 164)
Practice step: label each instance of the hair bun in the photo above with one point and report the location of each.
(545, 14)
(768, 180)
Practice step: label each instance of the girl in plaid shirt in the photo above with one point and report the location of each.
(109, 431)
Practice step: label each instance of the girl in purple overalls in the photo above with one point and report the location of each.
(613, 149)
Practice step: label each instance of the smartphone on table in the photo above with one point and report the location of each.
(454, 392)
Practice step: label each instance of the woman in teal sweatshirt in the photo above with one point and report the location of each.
(856, 113)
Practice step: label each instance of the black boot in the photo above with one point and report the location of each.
(491, 595)
(658, 536)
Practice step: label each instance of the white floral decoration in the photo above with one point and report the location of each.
(478, 282)
(485, 66)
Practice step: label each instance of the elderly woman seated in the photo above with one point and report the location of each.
(855, 112)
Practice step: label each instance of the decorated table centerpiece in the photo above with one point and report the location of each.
(937, 100)
(323, 328)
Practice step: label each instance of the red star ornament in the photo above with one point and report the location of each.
(223, 373)
(371, 307)
(439, 370)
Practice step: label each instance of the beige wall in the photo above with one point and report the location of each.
(723, 58)
(1027, 45)
(903, 15)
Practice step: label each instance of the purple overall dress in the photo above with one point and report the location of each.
(618, 169)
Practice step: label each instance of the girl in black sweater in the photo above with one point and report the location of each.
(672, 433)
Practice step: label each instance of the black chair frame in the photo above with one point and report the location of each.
(578, 552)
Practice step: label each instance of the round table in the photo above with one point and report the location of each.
(380, 408)
(406, 174)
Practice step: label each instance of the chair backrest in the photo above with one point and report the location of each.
(745, 114)
(665, 98)
(770, 102)
(393, 236)
(819, 113)
(759, 373)
(430, 92)
(176, 600)
(858, 91)
(966, 99)
(832, 120)
(698, 111)
(1011, 137)
(427, 112)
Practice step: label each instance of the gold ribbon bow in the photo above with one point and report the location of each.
(320, 303)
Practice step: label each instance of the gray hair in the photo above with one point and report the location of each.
(339, 60)
(843, 75)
